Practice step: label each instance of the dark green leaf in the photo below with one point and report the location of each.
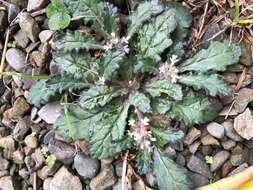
(110, 17)
(144, 161)
(75, 41)
(110, 63)
(79, 65)
(193, 109)
(143, 13)
(217, 57)
(164, 86)
(140, 101)
(107, 131)
(213, 83)
(161, 105)
(43, 90)
(154, 36)
(145, 65)
(164, 136)
(168, 174)
(98, 96)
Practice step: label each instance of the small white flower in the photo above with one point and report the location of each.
(174, 59)
(125, 40)
(101, 80)
(107, 47)
(146, 121)
(131, 122)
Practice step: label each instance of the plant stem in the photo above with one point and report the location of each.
(25, 75)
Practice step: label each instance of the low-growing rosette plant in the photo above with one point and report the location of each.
(123, 79)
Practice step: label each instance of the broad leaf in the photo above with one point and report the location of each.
(164, 136)
(164, 86)
(107, 131)
(169, 175)
(144, 161)
(140, 101)
(80, 66)
(213, 83)
(70, 41)
(143, 13)
(78, 123)
(110, 63)
(98, 96)
(146, 65)
(161, 105)
(43, 90)
(193, 109)
(154, 36)
(58, 15)
(217, 57)
(110, 17)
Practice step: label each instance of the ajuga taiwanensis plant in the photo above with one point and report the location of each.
(123, 77)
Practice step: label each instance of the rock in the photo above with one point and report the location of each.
(197, 180)
(8, 183)
(104, 179)
(118, 186)
(237, 156)
(209, 140)
(18, 157)
(216, 130)
(138, 185)
(226, 168)
(29, 26)
(46, 183)
(13, 11)
(86, 166)
(246, 57)
(230, 131)
(45, 35)
(244, 97)
(21, 39)
(151, 179)
(3, 19)
(7, 143)
(48, 170)
(206, 149)
(219, 159)
(197, 165)
(34, 5)
(29, 162)
(192, 135)
(4, 173)
(194, 147)
(50, 112)
(16, 59)
(64, 180)
(243, 124)
(226, 111)
(21, 129)
(228, 145)
(63, 152)
(4, 131)
(180, 160)
(231, 78)
(170, 152)
(239, 169)
(31, 141)
(247, 81)
(4, 164)
(39, 58)
(38, 157)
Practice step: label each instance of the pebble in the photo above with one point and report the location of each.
(194, 147)
(4, 164)
(39, 58)
(197, 180)
(31, 141)
(50, 112)
(21, 39)
(228, 145)
(63, 152)
(86, 166)
(243, 98)
(239, 169)
(46, 183)
(3, 19)
(180, 160)
(226, 168)
(104, 179)
(34, 5)
(29, 26)
(197, 165)
(230, 131)
(151, 179)
(16, 59)
(210, 140)
(243, 124)
(9, 183)
(118, 186)
(45, 35)
(219, 159)
(21, 129)
(4, 173)
(18, 157)
(192, 135)
(216, 130)
(237, 156)
(7, 143)
(64, 180)
(48, 170)
(13, 11)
